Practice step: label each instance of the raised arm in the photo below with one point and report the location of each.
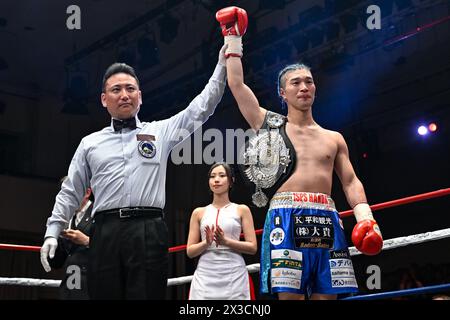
(233, 22)
(199, 109)
(366, 234)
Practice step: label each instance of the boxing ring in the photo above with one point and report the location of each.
(254, 268)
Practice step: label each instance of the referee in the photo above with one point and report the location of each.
(125, 165)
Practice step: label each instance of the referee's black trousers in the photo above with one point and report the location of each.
(128, 258)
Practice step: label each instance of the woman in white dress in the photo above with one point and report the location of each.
(214, 234)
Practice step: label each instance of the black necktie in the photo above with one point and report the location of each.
(127, 123)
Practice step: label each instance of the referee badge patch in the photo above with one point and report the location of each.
(147, 149)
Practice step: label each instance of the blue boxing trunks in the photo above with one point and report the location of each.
(303, 247)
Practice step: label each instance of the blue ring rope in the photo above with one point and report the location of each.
(406, 292)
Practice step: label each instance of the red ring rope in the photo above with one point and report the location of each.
(343, 214)
(402, 201)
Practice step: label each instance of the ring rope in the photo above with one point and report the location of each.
(182, 280)
(399, 293)
(402, 201)
(253, 268)
(343, 214)
(30, 282)
(412, 239)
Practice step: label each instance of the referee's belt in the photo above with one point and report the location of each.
(131, 212)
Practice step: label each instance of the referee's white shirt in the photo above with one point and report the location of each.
(119, 175)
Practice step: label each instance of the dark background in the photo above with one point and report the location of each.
(373, 86)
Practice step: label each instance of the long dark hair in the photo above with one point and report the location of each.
(228, 170)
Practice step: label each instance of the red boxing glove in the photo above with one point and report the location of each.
(233, 22)
(367, 238)
(366, 235)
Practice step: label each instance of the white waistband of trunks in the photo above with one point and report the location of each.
(302, 200)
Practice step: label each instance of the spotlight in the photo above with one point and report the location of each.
(432, 127)
(422, 130)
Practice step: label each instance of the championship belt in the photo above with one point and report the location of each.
(268, 159)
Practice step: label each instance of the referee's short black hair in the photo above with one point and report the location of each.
(115, 68)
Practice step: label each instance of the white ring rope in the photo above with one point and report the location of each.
(252, 268)
(29, 282)
(405, 241)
